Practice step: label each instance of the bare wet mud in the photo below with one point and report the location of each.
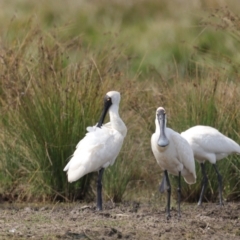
(130, 220)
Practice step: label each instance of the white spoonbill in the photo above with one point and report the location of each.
(100, 147)
(209, 144)
(173, 154)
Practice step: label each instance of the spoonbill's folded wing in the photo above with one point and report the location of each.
(186, 157)
(97, 149)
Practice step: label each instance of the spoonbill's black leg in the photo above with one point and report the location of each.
(169, 194)
(219, 184)
(204, 183)
(179, 193)
(99, 189)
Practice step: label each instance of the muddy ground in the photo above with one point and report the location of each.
(131, 220)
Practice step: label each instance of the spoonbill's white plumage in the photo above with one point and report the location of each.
(173, 154)
(100, 147)
(209, 144)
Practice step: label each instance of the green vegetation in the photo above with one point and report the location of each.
(58, 61)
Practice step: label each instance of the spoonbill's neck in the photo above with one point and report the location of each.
(113, 113)
(116, 121)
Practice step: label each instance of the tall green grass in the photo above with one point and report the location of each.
(47, 103)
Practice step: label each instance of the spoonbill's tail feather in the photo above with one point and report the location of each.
(66, 167)
(190, 178)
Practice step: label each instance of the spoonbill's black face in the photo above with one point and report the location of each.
(161, 116)
(161, 113)
(107, 104)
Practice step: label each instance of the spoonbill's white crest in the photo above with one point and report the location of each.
(173, 154)
(209, 144)
(100, 147)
